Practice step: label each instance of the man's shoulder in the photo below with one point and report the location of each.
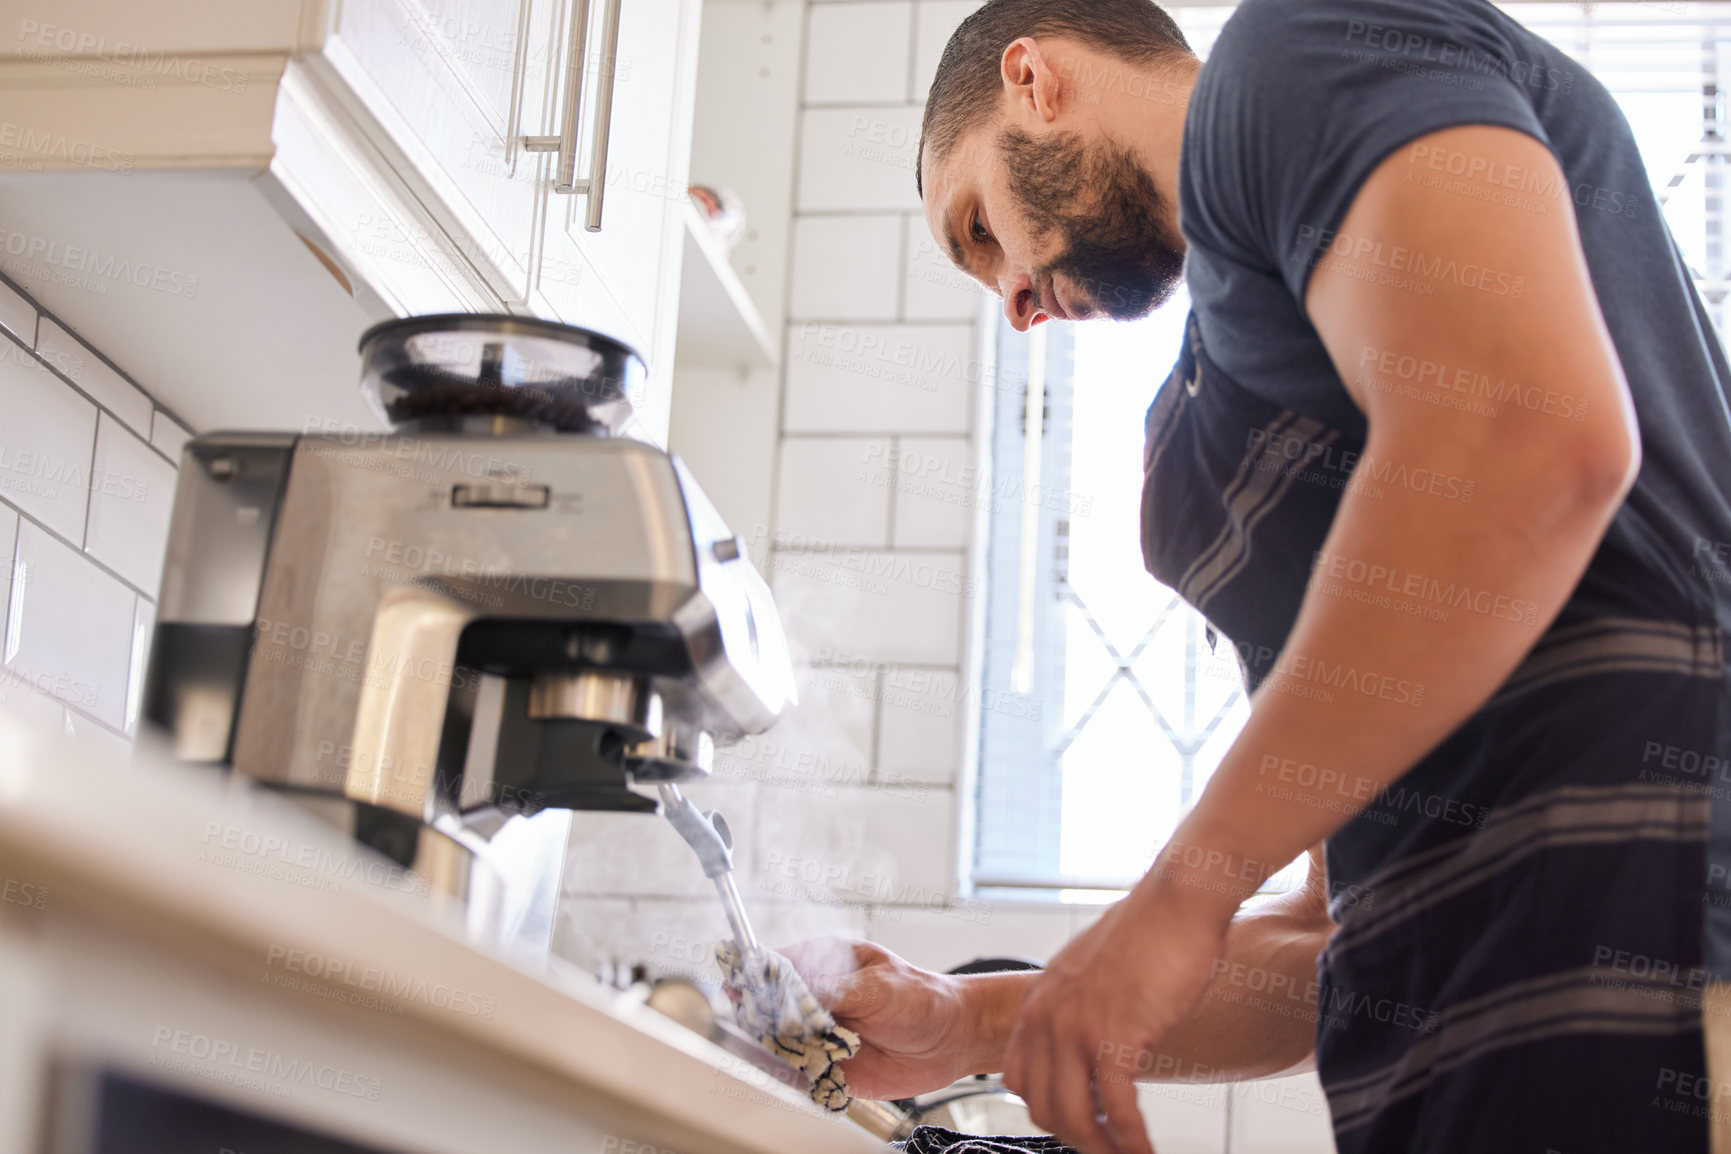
(1261, 33)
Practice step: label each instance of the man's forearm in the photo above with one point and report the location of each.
(1257, 1020)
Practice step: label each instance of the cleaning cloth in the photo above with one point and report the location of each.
(937, 1140)
(777, 1009)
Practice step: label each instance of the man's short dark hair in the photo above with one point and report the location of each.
(965, 90)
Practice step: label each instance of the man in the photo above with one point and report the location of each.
(1446, 457)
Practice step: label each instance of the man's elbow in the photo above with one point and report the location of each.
(1604, 461)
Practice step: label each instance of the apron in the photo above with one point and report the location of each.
(1517, 963)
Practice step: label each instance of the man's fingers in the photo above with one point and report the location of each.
(1012, 1074)
(1116, 1093)
(1035, 1083)
(1075, 1110)
(870, 1073)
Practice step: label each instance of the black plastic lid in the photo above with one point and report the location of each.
(478, 364)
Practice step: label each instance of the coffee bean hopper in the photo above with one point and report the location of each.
(447, 637)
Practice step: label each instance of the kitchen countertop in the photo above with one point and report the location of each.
(232, 884)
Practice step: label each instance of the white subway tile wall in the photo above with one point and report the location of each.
(87, 471)
(858, 159)
(8, 543)
(17, 314)
(870, 378)
(846, 266)
(822, 497)
(873, 605)
(105, 384)
(937, 491)
(933, 23)
(47, 446)
(69, 627)
(858, 53)
(131, 497)
(920, 724)
(169, 436)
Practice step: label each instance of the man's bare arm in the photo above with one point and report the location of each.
(922, 1031)
(1258, 1018)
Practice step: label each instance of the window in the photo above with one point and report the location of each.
(1105, 708)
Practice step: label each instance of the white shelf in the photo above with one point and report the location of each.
(719, 326)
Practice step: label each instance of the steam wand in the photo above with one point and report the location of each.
(708, 834)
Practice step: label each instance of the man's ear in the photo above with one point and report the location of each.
(1029, 81)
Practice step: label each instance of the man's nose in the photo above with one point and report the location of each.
(1019, 308)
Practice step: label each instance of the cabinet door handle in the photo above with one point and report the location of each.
(565, 144)
(597, 181)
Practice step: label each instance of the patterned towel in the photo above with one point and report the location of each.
(776, 1008)
(937, 1140)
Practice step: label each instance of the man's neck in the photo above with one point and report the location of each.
(1149, 115)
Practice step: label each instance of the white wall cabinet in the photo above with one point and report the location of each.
(389, 135)
(450, 86)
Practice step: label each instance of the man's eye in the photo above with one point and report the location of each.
(978, 231)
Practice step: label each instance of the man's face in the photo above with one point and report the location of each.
(1063, 224)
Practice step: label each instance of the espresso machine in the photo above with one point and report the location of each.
(446, 638)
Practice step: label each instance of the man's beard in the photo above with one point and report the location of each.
(1117, 249)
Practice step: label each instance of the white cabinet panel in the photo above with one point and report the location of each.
(452, 85)
(645, 180)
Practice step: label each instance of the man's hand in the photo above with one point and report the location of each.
(920, 1031)
(1094, 1020)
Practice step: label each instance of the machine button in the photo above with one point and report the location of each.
(728, 549)
(499, 495)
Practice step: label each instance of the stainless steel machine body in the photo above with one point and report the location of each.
(449, 637)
